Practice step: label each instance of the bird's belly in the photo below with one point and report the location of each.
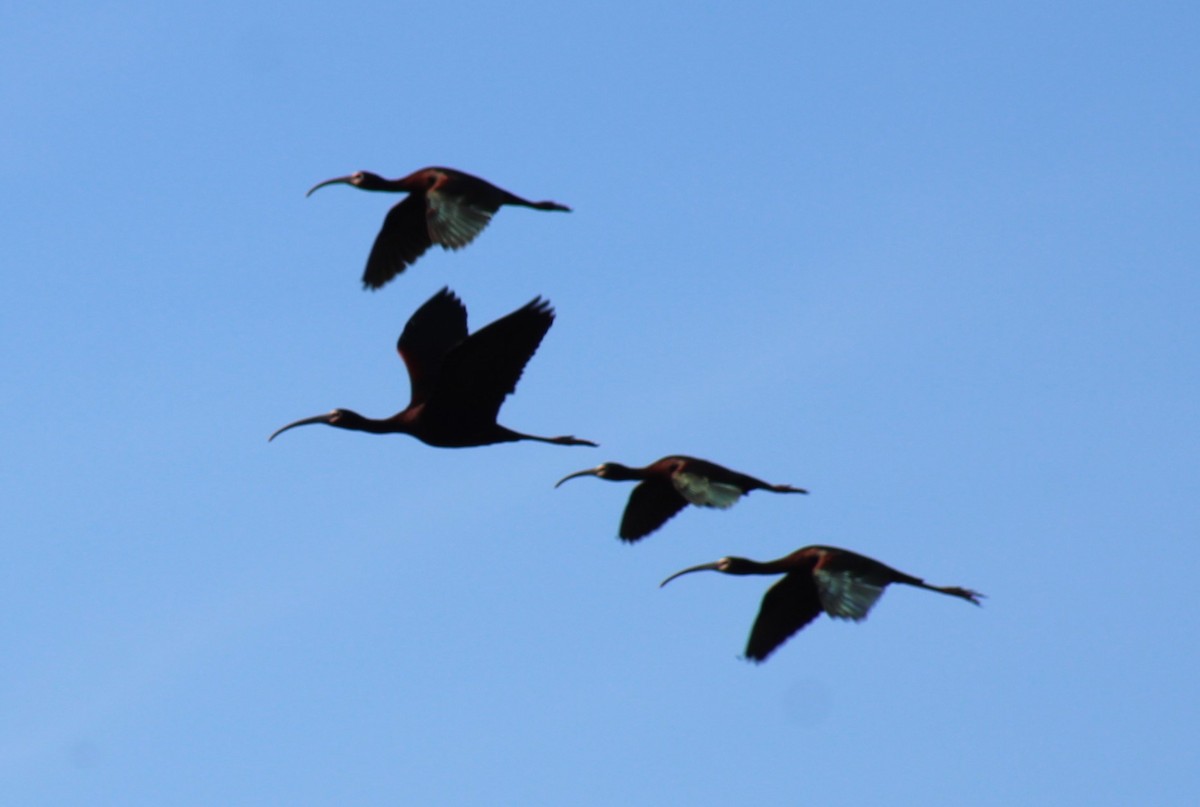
(459, 436)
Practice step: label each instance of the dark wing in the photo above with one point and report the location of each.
(435, 328)
(651, 504)
(726, 476)
(454, 220)
(787, 607)
(850, 584)
(403, 238)
(705, 491)
(479, 372)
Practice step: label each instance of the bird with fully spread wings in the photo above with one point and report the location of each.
(458, 380)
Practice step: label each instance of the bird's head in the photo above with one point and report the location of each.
(342, 418)
(608, 470)
(359, 179)
(729, 565)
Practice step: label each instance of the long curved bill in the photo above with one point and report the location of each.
(304, 422)
(335, 181)
(585, 472)
(703, 567)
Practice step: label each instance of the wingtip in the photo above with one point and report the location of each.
(540, 305)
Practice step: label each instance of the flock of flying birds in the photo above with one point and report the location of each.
(459, 381)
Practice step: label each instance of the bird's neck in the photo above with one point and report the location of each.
(747, 566)
(623, 473)
(378, 183)
(353, 421)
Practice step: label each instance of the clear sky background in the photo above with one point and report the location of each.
(936, 262)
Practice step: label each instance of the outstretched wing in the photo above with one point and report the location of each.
(702, 490)
(732, 483)
(787, 607)
(480, 371)
(453, 220)
(431, 332)
(651, 505)
(850, 584)
(403, 238)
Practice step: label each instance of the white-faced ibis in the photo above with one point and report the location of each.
(669, 484)
(458, 381)
(839, 582)
(443, 206)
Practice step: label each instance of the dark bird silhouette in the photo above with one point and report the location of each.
(669, 484)
(458, 381)
(443, 206)
(839, 582)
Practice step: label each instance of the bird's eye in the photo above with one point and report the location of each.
(357, 176)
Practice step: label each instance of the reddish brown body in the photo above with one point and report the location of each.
(444, 206)
(670, 484)
(839, 582)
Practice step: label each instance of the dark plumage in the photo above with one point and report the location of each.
(458, 381)
(443, 206)
(839, 582)
(668, 485)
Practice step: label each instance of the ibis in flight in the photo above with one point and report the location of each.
(668, 485)
(839, 582)
(443, 206)
(458, 381)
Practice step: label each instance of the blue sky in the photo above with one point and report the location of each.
(937, 263)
